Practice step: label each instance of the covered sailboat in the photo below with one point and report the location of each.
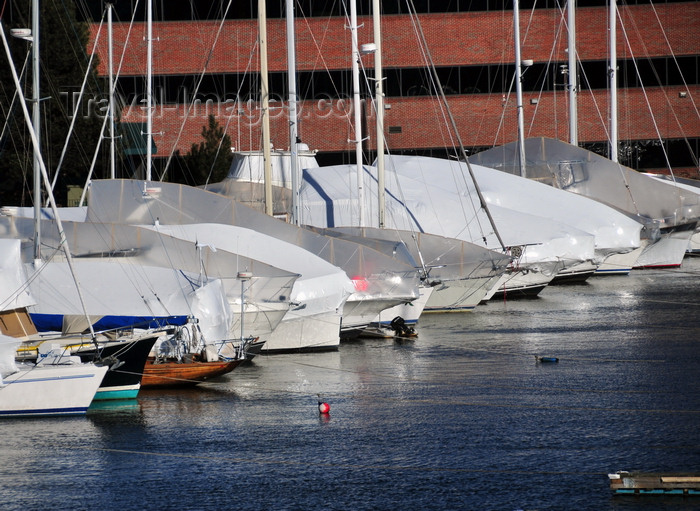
(380, 281)
(669, 214)
(139, 278)
(317, 297)
(432, 196)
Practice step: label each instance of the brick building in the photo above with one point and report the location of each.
(658, 54)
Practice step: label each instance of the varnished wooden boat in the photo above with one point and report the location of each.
(183, 374)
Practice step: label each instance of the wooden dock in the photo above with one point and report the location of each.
(649, 483)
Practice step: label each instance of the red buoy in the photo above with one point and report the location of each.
(324, 407)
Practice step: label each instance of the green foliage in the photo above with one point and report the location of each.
(62, 43)
(210, 160)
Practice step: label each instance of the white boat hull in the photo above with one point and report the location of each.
(620, 264)
(309, 333)
(359, 312)
(666, 252)
(50, 390)
(521, 282)
(460, 295)
(410, 312)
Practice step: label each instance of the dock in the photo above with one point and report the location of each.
(649, 483)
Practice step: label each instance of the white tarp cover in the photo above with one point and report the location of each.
(614, 231)
(213, 310)
(322, 287)
(583, 172)
(8, 352)
(14, 292)
(129, 271)
(137, 202)
(434, 196)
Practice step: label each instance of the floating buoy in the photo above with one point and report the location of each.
(548, 360)
(323, 407)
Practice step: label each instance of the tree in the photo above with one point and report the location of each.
(210, 160)
(62, 42)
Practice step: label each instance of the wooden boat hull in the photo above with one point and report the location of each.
(174, 374)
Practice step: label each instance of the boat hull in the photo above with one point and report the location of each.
(669, 250)
(50, 390)
(124, 381)
(175, 374)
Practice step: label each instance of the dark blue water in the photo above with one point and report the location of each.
(461, 418)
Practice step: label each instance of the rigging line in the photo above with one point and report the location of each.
(52, 86)
(445, 111)
(685, 84)
(45, 177)
(29, 279)
(440, 108)
(104, 123)
(88, 72)
(13, 103)
(560, 27)
(322, 58)
(210, 55)
(232, 115)
(663, 90)
(646, 97)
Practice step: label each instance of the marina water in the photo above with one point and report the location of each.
(463, 417)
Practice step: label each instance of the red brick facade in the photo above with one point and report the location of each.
(462, 39)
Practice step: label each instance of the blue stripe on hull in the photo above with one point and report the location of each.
(408, 322)
(48, 412)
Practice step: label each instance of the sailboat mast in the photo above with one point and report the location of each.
(36, 121)
(149, 80)
(379, 101)
(573, 73)
(357, 112)
(519, 88)
(110, 58)
(612, 74)
(293, 128)
(265, 106)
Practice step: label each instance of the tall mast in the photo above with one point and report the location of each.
(112, 157)
(573, 74)
(379, 99)
(356, 105)
(519, 88)
(149, 80)
(293, 128)
(36, 121)
(612, 73)
(265, 106)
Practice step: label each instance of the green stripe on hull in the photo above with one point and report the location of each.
(127, 392)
